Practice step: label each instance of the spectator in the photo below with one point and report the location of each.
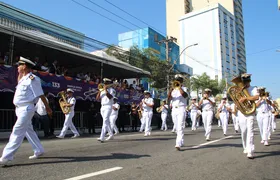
(45, 67)
(53, 67)
(134, 84)
(92, 113)
(6, 58)
(37, 64)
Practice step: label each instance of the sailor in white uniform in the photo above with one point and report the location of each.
(106, 96)
(224, 109)
(247, 121)
(263, 115)
(28, 91)
(207, 104)
(68, 122)
(194, 110)
(164, 112)
(147, 105)
(179, 95)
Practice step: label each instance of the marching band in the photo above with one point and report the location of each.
(249, 103)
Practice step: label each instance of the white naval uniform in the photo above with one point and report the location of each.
(68, 123)
(105, 111)
(194, 110)
(114, 117)
(142, 127)
(224, 115)
(263, 118)
(246, 123)
(234, 117)
(207, 116)
(27, 94)
(179, 114)
(164, 117)
(147, 115)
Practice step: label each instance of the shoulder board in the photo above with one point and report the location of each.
(31, 77)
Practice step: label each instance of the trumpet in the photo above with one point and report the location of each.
(159, 109)
(176, 84)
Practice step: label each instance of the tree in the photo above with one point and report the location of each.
(145, 59)
(199, 83)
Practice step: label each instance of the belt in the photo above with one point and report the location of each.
(178, 106)
(206, 110)
(106, 105)
(23, 105)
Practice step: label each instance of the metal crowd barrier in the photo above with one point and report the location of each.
(80, 120)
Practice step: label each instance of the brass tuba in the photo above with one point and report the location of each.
(176, 84)
(237, 92)
(62, 101)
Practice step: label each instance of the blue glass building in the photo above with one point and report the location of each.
(148, 38)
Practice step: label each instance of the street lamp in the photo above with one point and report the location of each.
(176, 62)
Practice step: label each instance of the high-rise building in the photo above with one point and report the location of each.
(175, 10)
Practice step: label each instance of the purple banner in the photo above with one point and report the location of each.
(55, 83)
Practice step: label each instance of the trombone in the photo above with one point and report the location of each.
(100, 88)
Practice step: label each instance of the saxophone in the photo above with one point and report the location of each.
(237, 92)
(62, 101)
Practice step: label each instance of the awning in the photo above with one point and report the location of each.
(114, 66)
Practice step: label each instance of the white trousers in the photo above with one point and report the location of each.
(194, 119)
(147, 118)
(68, 123)
(219, 122)
(235, 122)
(143, 124)
(163, 119)
(105, 112)
(263, 123)
(23, 128)
(247, 133)
(113, 119)
(179, 116)
(174, 124)
(224, 119)
(207, 117)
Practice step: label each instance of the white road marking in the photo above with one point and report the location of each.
(95, 173)
(211, 142)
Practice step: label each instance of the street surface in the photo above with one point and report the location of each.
(133, 156)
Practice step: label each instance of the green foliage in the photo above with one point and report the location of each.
(199, 83)
(145, 59)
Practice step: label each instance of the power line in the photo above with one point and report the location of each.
(261, 51)
(101, 15)
(114, 14)
(134, 16)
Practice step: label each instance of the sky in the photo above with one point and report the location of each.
(261, 25)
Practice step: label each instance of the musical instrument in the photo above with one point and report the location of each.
(100, 88)
(159, 109)
(176, 84)
(140, 113)
(62, 101)
(237, 92)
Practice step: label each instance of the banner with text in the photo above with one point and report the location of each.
(55, 83)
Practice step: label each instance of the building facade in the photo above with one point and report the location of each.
(149, 38)
(21, 20)
(213, 28)
(177, 9)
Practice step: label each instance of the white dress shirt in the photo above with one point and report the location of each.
(206, 105)
(148, 101)
(104, 99)
(177, 98)
(41, 108)
(28, 90)
(115, 112)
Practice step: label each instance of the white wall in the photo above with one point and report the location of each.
(202, 28)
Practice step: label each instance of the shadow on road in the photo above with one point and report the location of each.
(68, 159)
(266, 154)
(213, 146)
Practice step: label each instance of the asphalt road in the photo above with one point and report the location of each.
(132, 156)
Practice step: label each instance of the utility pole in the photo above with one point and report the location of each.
(166, 42)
